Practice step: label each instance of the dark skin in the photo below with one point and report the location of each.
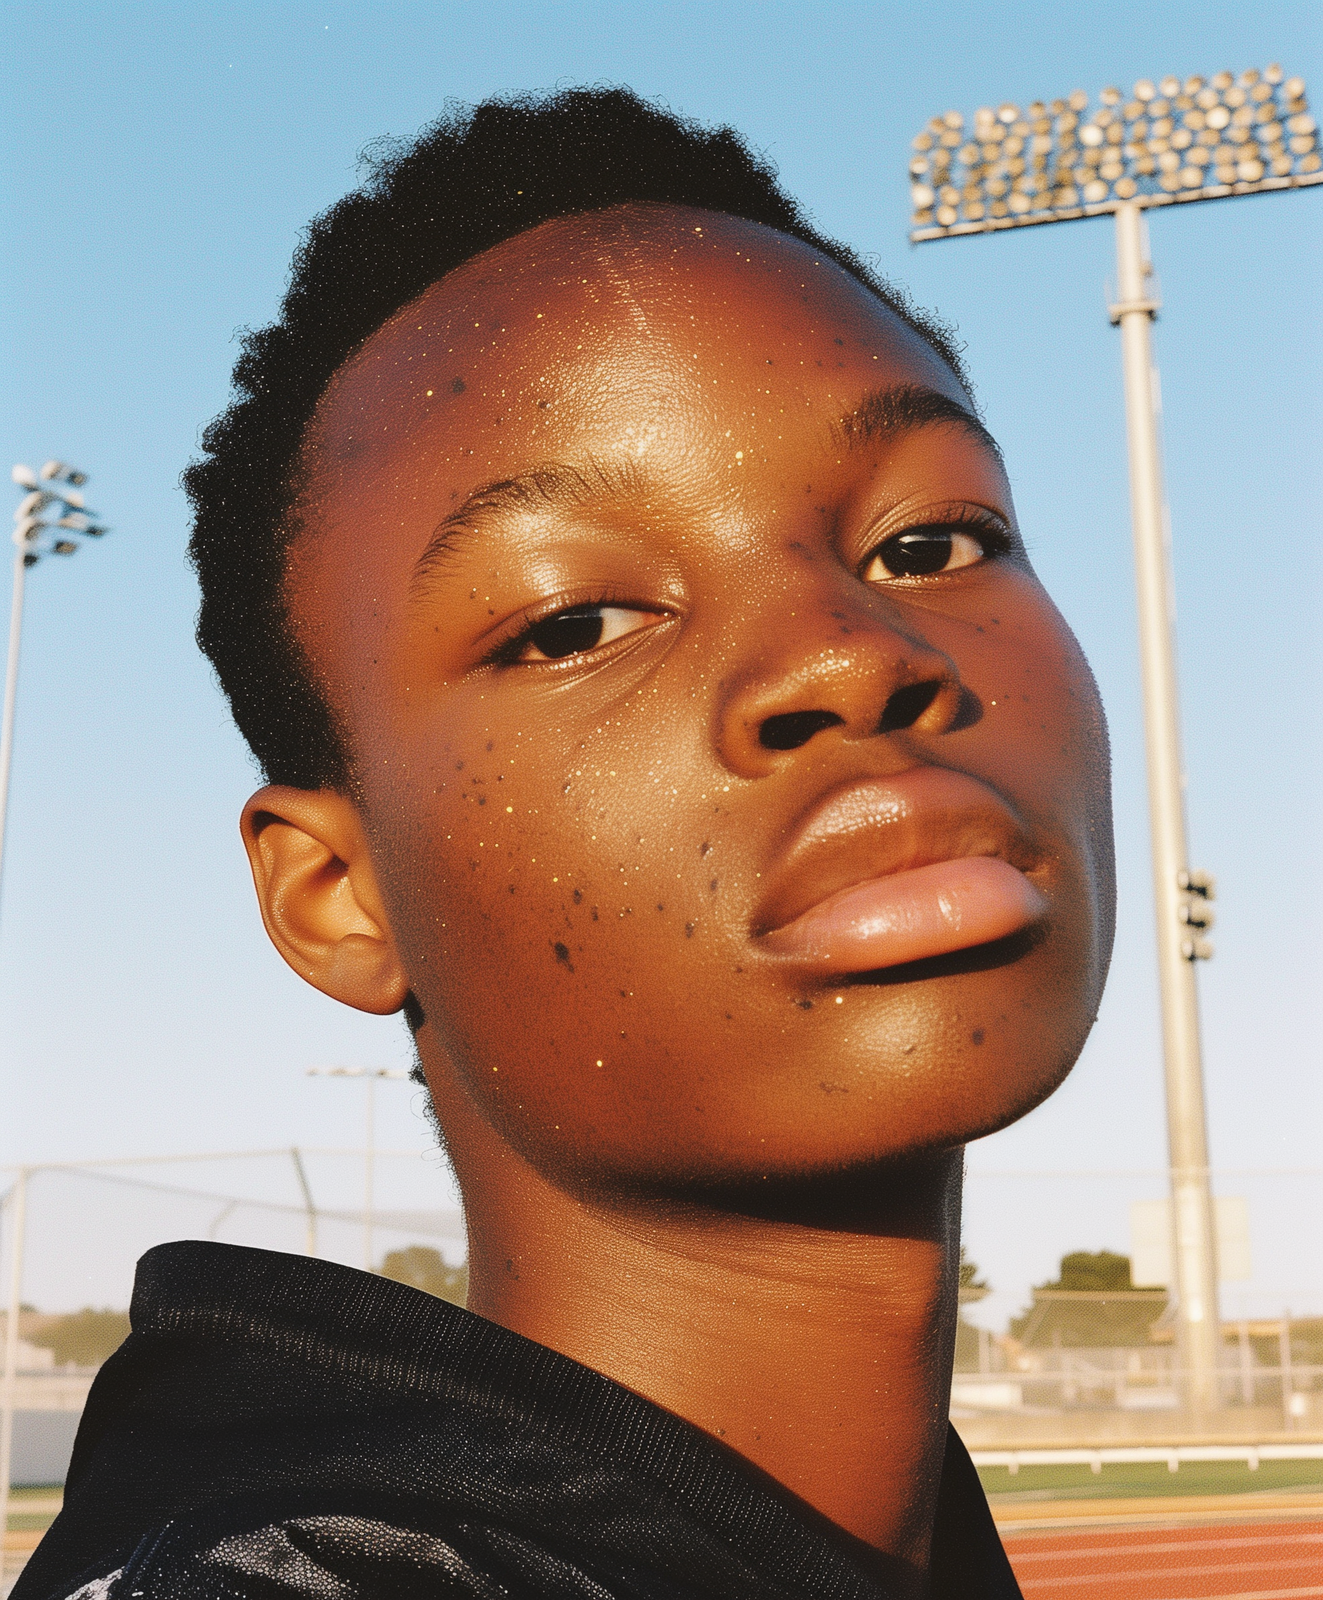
(725, 1177)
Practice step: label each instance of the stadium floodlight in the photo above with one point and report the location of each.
(56, 489)
(1168, 144)
(1174, 142)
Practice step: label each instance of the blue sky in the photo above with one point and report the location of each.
(162, 160)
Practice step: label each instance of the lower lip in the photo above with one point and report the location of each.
(911, 916)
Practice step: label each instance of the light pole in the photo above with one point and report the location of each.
(370, 1075)
(1170, 143)
(48, 516)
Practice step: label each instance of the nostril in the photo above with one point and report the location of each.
(795, 728)
(904, 708)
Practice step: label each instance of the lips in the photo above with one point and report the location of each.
(900, 869)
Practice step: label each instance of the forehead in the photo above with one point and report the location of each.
(592, 333)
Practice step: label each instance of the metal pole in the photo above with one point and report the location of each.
(310, 1240)
(1246, 1364)
(1191, 1191)
(370, 1132)
(18, 1205)
(11, 692)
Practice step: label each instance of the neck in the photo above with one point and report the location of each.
(816, 1341)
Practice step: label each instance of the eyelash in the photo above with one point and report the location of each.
(993, 531)
(509, 650)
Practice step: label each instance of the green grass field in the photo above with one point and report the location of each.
(1124, 1480)
(33, 1510)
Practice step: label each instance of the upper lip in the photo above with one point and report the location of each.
(874, 827)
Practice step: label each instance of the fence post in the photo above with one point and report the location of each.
(1246, 1365)
(17, 1203)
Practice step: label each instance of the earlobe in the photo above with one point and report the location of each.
(319, 896)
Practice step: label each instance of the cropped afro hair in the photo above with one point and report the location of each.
(477, 177)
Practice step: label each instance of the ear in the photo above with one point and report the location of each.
(319, 897)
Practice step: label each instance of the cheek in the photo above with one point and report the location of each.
(1043, 742)
(1041, 734)
(540, 918)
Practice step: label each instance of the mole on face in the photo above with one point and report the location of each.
(632, 596)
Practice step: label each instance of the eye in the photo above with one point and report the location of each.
(923, 551)
(576, 631)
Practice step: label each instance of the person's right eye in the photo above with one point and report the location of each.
(575, 632)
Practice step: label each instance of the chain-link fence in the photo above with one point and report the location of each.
(1067, 1327)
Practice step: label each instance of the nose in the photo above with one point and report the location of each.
(814, 679)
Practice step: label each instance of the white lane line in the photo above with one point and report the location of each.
(1254, 1594)
(1220, 1570)
(1066, 1553)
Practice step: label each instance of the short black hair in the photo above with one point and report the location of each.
(478, 176)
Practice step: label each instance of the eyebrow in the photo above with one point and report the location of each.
(554, 486)
(880, 415)
(886, 413)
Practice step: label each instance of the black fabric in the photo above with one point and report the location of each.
(278, 1427)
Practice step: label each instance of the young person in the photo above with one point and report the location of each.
(625, 602)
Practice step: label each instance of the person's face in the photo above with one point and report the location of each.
(656, 630)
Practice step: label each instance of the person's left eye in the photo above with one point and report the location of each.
(578, 630)
(921, 552)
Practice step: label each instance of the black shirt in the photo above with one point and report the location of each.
(277, 1427)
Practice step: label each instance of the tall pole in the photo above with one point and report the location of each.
(369, 1154)
(369, 1142)
(310, 1237)
(11, 692)
(1175, 890)
(17, 1205)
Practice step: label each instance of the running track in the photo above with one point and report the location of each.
(1218, 1561)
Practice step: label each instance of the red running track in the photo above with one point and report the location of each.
(1215, 1561)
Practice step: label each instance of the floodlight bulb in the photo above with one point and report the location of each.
(52, 469)
(1170, 86)
(1144, 90)
(1294, 88)
(1272, 73)
(1077, 100)
(1110, 96)
(24, 477)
